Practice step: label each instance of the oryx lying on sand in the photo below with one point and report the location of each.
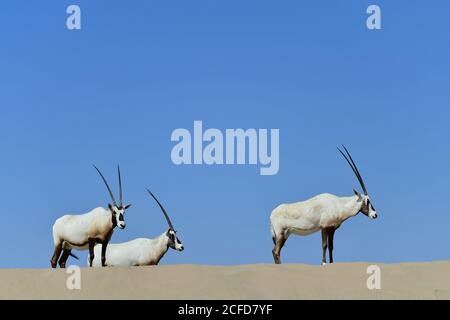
(325, 212)
(142, 251)
(83, 231)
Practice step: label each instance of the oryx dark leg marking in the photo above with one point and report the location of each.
(56, 254)
(64, 257)
(104, 246)
(331, 231)
(279, 243)
(91, 251)
(324, 245)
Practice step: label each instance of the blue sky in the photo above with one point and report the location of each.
(114, 91)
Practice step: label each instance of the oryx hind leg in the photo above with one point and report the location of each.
(280, 240)
(324, 245)
(56, 254)
(91, 242)
(64, 257)
(104, 246)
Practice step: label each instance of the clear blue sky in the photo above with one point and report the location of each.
(114, 91)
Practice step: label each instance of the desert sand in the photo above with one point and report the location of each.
(338, 281)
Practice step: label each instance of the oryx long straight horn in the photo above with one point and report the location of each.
(162, 208)
(120, 186)
(352, 164)
(107, 185)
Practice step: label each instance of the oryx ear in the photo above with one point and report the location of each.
(110, 207)
(127, 206)
(358, 194)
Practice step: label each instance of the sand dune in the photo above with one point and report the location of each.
(338, 281)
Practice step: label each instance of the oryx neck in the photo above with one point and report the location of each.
(163, 243)
(351, 207)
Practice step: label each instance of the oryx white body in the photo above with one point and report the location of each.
(306, 217)
(73, 231)
(138, 252)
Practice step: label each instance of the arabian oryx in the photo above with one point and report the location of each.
(84, 231)
(325, 212)
(141, 252)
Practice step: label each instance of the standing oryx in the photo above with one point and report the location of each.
(84, 231)
(325, 212)
(141, 252)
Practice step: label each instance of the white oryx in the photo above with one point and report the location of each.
(83, 231)
(142, 251)
(325, 212)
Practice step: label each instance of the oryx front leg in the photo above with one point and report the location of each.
(56, 254)
(104, 246)
(91, 251)
(331, 231)
(276, 252)
(324, 245)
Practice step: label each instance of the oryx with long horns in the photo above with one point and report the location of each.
(325, 212)
(142, 251)
(83, 231)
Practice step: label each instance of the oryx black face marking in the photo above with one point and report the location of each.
(118, 217)
(174, 242)
(367, 207)
(172, 238)
(114, 220)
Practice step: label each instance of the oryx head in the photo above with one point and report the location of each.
(366, 204)
(117, 210)
(174, 242)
